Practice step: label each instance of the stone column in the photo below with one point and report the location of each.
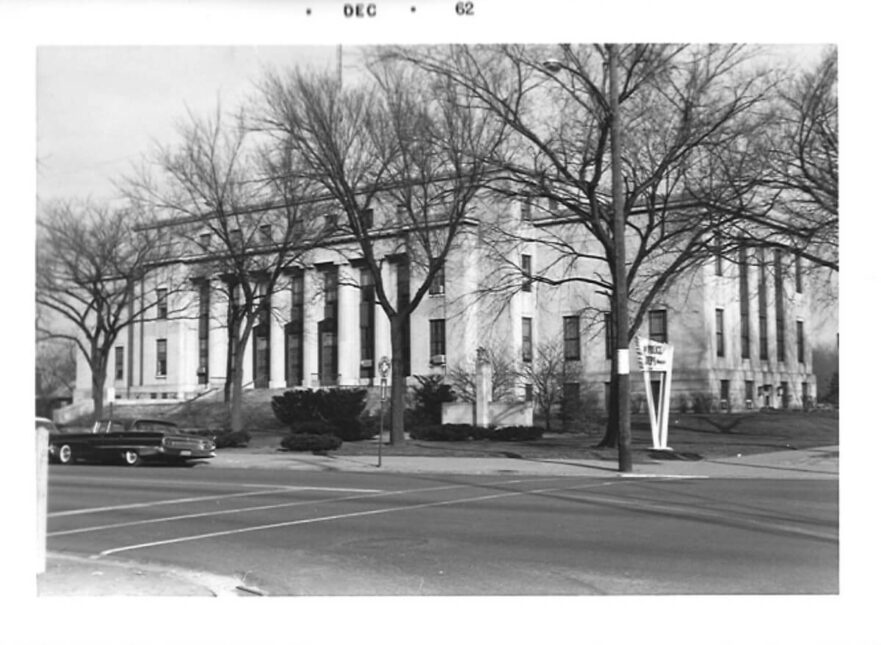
(483, 389)
(281, 308)
(348, 326)
(313, 311)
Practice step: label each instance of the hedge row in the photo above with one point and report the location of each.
(334, 411)
(311, 442)
(464, 432)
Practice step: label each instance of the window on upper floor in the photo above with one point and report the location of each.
(526, 347)
(571, 338)
(658, 325)
(161, 303)
(437, 285)
(526, 272)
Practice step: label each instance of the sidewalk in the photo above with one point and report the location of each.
(68, 575)
(811, 463)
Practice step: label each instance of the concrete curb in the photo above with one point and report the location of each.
(72, 575)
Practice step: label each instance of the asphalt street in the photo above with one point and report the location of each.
(355, 533)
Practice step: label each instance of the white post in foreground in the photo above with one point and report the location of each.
(42, 472)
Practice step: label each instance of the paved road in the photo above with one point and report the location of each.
(291, 533)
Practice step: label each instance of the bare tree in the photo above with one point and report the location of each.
(90, 258)
(56, 366)
(505, 375)
(690, 121)
(805, 164)
(400, 140)
(246, 216)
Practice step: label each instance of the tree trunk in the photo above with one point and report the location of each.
(398, 381)
(610, 439)
(99, 377)
(236, 422)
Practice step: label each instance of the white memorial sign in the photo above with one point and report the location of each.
(656, 357)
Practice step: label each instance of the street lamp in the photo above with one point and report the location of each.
(619, 262)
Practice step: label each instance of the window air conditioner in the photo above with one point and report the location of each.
(749, 404)
(439, 359)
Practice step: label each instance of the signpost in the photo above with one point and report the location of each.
(657, 357)
(384, 368)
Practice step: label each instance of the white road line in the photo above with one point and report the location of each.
(342, 516)
(369, 493)
(203, 498)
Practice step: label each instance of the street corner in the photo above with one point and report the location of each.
(76, 576)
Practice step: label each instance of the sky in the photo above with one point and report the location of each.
(102, 109)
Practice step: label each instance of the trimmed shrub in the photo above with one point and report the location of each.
(313, 428)
(295, 406)
(517, 433)
(311, 442)
(429, 397)
(354, 430)
(230, 439)
(448, 432)
(334, 405)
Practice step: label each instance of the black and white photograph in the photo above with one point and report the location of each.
(405, 330)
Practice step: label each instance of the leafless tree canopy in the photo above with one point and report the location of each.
(244, 215)
(90, 260)
(404, 140)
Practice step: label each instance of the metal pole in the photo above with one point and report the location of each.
(622, 319)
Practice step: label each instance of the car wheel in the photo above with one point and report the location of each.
(131, 457)
(65, 454)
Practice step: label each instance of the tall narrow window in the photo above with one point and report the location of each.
(607, 322)
(763, 307)
(526, 272)
(328, 329)
(294, 333)
(161, 357)
(437, 282)
(744, 304)
(367, 321)
(526, 209)
(403, 274)
(367, 218)
(800, 340)
(779, 305)
(724, 391)
(437, 340)
(658, 325)
(717, 252)
(162, 303)
(236, 239)
(205, 241)
(526, 347)
(571, 338)
(749, 393)
(119, 363)
(204, 311)
(799, 286)
(720, 332)
(265, 233)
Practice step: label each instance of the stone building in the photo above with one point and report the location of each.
(738, 325)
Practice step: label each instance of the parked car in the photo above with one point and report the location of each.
(47, 424)
(130, 441)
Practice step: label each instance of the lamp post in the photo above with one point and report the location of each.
(619, 264)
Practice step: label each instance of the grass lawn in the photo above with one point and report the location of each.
(692, 436)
